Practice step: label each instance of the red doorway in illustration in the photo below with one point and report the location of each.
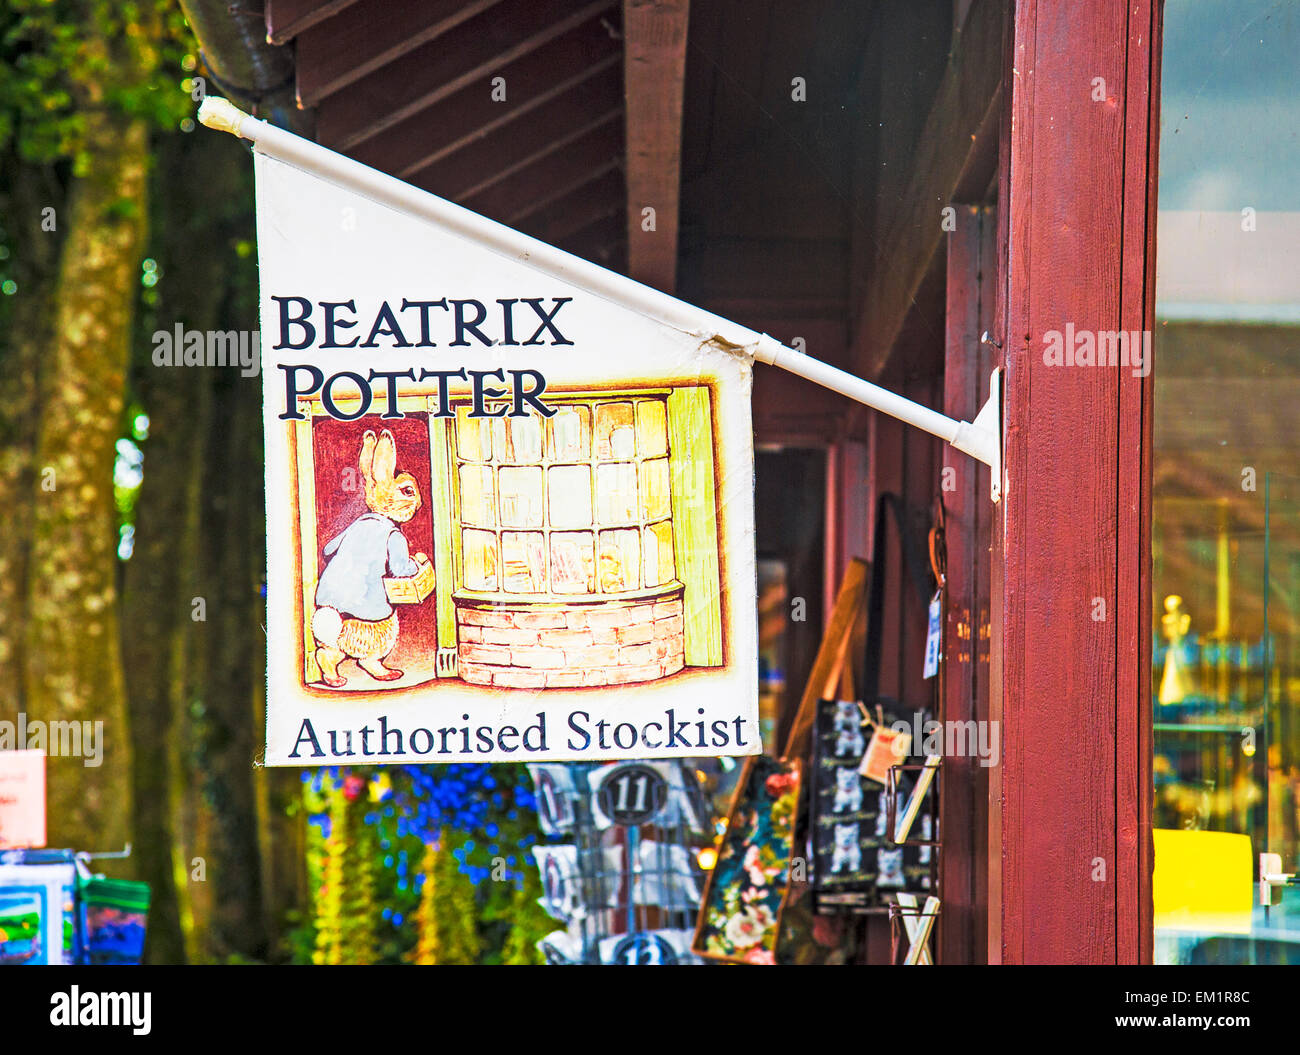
(373, 524)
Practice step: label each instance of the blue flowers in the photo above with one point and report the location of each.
(486, 813)
(476, 800)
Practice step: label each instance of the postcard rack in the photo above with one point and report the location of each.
(832, 677)
(625, 882)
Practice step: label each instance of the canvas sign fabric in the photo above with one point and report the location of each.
(508, 519)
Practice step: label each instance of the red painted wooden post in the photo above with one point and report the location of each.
(1069, 814)
(1136, 853)
(964, 485)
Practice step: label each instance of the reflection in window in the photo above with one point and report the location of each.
(620, 561)
(616, 493)
(1226, 493)
(477, 500)
(570, 434)
(615, 436)
(659, 567)
(580, 503)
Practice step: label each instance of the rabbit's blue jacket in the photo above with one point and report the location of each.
(357, 560)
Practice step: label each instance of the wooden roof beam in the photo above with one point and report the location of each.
(285, 19)
(436, 70)
(517, 144)
(569, 215)
(533, 188)
(654, 71)
(533, 80)
(512, 163)
(600, 242)
(362, 39)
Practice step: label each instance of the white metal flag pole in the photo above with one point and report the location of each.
(981, 439)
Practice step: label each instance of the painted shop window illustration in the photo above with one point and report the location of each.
(510, 552)
(582, 511)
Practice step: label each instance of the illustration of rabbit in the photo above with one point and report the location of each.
(353, 616)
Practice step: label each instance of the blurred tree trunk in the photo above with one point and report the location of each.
(190, 217)
(284, 851)
(233, 527)
(28, 189)
(73, 665)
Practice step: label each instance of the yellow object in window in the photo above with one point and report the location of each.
(1204, 881)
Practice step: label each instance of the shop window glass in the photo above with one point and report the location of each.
(659, 566)
(620, 560)
(573, 564)
(477, 499)
(521, 496)
(616, 493)
(522, 560)
(525, 440)
(570, 431)
(570, 495)
(573, 505)
(480, 560)
(1226, 491)
(652, 428)
(655, 494)
(615, 435)
(474, 443)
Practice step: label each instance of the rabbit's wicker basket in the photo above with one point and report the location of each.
(410, 589)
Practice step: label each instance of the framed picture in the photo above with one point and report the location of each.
(745, 893)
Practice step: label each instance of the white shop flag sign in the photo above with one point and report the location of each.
(508, 517)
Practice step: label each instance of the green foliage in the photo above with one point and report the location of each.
(300, 922)
(67, 66)
(528, 924)
(446, 922)
(66, 62)
(346, 912)
(431, 910)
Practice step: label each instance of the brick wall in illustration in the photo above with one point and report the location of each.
(570, 646)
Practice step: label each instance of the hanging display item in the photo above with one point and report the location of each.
(746, 890)
(800, 935)
(855, 747)
(498, 476)
(112, 915)
(654, 948)
(54, 910)
(573, 889)
(806, 938)
(856, 863)
(660, 793)
(37, 911)
(887, 747)
(628, 884)
(508, 518)
(554, 791)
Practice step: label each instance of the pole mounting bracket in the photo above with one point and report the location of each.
(982, 438)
